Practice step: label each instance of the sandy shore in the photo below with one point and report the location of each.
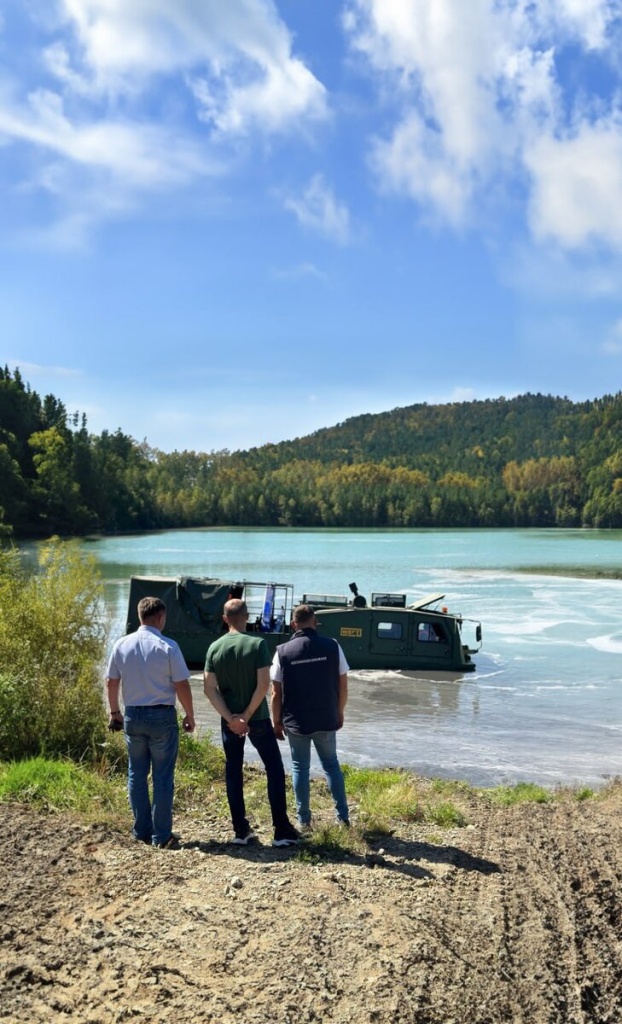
(516, 917)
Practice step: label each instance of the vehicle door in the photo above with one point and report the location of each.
(388, 632)
(430, 637)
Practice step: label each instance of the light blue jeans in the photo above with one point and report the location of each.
(325, 744)
(152, 738)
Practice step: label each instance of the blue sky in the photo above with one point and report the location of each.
(229, 223)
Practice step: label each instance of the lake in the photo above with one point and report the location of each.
(545, 704)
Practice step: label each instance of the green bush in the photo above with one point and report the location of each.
(52, 643)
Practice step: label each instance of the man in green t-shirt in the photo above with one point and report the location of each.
(236, 681)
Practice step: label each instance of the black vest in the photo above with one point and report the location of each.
(310, 667)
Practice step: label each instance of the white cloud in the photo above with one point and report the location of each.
(318, 209)
(127, 97)
(236, 56)
(478, 99)
(585, 20)
(577, 186)
(415, 162)
(442, 53)
(144, 155)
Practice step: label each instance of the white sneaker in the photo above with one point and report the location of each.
(243, 837)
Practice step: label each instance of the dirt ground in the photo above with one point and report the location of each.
(516, 917)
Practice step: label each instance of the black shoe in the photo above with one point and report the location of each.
(243, 836)
(172, 843)
(286, 836)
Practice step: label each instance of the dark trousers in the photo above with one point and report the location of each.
(262, 737)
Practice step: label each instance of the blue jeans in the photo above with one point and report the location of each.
(152, 739)
(325, 744)
(262, 737)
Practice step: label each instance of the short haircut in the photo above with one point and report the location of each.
(150, 607)
(235, 608)
(303, 613)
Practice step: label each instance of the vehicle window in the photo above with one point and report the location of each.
(389, 630)
(430, 632)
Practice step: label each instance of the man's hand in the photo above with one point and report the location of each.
(279, 731)
(115, 722)
(188, 724)
(238, 725)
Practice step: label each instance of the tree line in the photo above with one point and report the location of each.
(534, 460)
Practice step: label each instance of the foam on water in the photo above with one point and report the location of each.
(606, 643)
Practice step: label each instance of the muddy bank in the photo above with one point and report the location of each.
(515, 918)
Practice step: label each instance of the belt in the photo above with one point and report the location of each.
(134, 707)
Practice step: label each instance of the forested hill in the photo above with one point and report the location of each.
(534, 460)
(465, 436)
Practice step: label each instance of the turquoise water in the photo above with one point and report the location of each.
(545, 704)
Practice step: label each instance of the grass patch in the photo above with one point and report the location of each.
(59, 785)
(386, 796)
(521, 793)
(452, 787)
(445, 814)
(362, 781)
(331, 840)
(199, 774)
(383, 795)
(585, 793)
(200, 758)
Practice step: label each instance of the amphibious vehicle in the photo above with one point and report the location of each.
(384, 633)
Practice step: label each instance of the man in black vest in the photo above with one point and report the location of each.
(309, 692)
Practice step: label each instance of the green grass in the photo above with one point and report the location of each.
(521, 793)
(389, 795)
(200, 758)
(381, 800)
(59, 785)
(585, 793)
(328, 841)
(445, 814)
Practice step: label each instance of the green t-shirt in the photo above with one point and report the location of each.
(234, 659)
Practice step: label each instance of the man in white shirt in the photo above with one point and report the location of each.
(149, 670)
